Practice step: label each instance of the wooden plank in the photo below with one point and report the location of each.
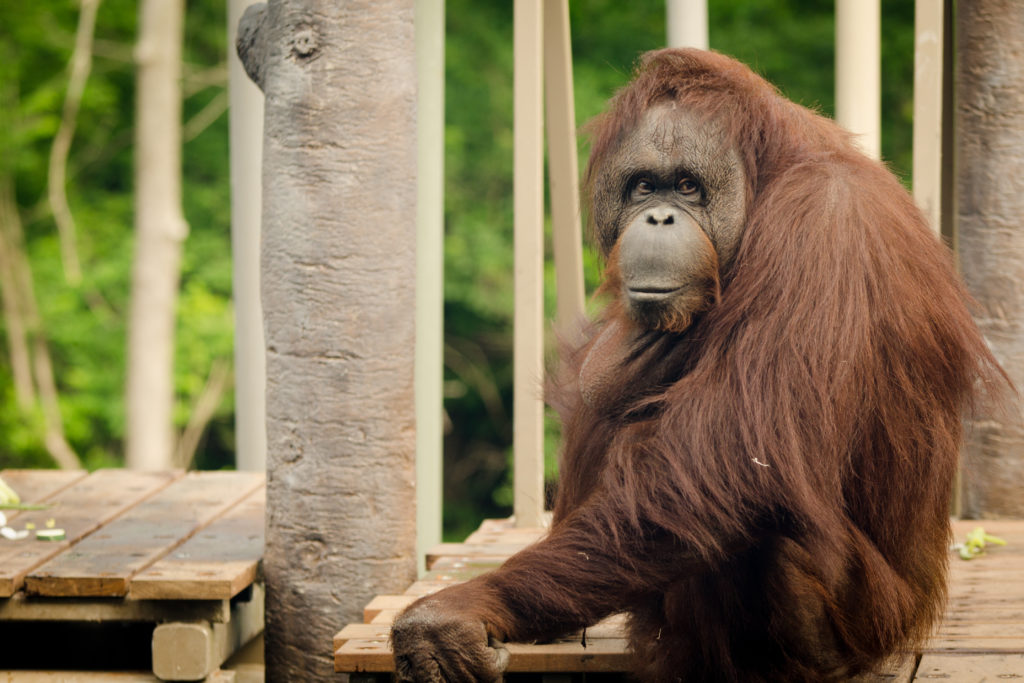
(612, 628)
(21, 607)
(361, 632)
(216, 563)
(960, 630)
(36, 486)
(104, 563)
(970, 668)
(385, 617)
(386, 602)
(77, 677)
(363, 655)
(464, 565)
(473, 552)
(421, 588)
(79, 509)
(496, 534)
(600, 655)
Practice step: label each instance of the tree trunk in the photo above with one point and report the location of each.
(338, 273)
(160, 230)
(990, 199)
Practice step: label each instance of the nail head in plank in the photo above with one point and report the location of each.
(103, 563)
(216, 563)
(79, 509)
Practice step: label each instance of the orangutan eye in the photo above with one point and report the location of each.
(687, 186)
(644, 186)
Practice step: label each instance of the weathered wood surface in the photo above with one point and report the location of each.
(180, 551)
(184, 537)
(981, 637)
(96, 677)
(104, 563)
(79, 509)
(38, 486)
(216, 563)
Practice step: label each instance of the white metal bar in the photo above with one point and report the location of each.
(928, 101)
(686, 22)
(429, 372)
(859, 71)
(245, 124)
(563, 165)
(528, 408)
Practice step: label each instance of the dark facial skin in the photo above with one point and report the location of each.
(670, 202)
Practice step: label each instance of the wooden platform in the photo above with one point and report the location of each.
(981, 638)
(168, 555)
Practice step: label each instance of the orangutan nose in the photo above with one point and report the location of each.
(661, 215)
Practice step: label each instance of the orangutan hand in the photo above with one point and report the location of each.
(434, 643)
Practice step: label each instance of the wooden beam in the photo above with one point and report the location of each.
(528, 341)
(563, 167)
(429, 368)
(245, 130)
(859, 72)
(686, 23)
(191, 651)
(928, 113)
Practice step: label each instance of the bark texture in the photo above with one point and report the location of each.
(338, 271)
(990, 213)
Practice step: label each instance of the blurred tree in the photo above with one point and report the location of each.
(85, 323)
(160, 230)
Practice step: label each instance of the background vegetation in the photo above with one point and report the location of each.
(788, 41)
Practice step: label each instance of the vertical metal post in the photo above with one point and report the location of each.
(429, 371)
(528, 407)
(859, 71)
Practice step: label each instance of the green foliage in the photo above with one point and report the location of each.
(85, 325)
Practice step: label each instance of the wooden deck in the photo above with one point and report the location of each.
(157, 568)
(981, 638)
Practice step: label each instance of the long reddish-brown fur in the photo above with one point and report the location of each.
(767, 491)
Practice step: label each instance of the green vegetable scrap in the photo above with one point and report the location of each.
(976, 542)
(8, 496)
(50, 535)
